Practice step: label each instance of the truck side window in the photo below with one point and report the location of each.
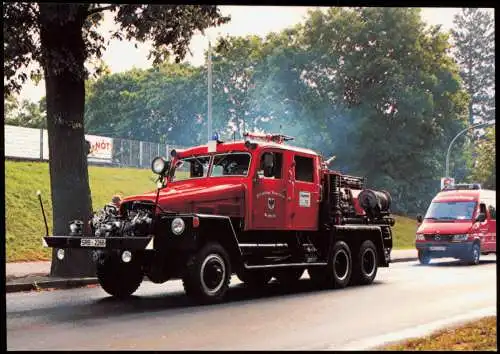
(493, 212)
(304, 169)
(274, 161)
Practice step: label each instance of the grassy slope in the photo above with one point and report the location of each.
(475, 335)
(24, 222)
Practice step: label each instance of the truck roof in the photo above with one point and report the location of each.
(239, 145)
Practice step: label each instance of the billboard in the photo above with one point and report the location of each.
(101, 148)
(447, 181)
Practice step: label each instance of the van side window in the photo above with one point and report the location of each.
(482, 208)
(304, 169)
(493, 212)
(274, 161)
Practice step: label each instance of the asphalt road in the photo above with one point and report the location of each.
(404, 297)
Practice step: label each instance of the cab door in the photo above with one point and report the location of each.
(269, 192)
(491, 222)
(484, 229)
(304, 206)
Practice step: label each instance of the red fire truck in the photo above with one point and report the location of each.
(258, 208)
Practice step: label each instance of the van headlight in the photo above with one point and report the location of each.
(178, 226)
(419, 237)
(461, 237)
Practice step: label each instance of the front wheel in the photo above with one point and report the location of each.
(474, 255)
(208, 274)
(117, 278)
(423, 257)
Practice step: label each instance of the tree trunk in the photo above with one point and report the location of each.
(63, 63)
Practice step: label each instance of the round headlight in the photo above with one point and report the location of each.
(178, 226)
(73, 228)
(126, 256)
(158, 165)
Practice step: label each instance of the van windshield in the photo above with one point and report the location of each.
(450, 211)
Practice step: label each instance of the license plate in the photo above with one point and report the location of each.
(93, 242)
(437, 248)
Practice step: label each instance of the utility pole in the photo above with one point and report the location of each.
(455, 138)
(209, 114)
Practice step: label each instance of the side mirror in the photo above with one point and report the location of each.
(420, 218)
(481, 217)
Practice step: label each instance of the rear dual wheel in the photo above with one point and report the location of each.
(365, 264)
(337, 273)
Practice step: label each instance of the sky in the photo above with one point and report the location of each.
(122, 55)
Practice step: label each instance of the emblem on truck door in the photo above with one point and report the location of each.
(270, 203)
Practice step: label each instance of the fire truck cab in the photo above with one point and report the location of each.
(460, 222)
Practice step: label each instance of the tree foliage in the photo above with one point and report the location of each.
(25, 113)
(484, 171)
(474, 37)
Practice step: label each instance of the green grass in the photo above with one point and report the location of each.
(24, 221)
(403, 232)
(475, 335)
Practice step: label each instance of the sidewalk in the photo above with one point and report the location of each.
(25, 276)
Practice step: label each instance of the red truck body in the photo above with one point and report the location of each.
(257, 208)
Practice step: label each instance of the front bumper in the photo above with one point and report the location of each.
(117, 243)
(449, 249)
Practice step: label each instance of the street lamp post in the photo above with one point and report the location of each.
(455, 138)
(209, 84)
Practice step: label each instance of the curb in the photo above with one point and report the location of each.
(57, 283)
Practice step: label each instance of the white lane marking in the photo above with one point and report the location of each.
(419, 331)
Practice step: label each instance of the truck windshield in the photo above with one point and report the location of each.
(450, 211)
(191, 167)
(232, 164)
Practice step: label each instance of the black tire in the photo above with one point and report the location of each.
(423, 257)
(254, 278)
(208, 274)
(337, 273)
(475, 254)
(288, 276)
(117, 278)
(365, 264)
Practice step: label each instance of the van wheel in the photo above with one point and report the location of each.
(208, 274)
(365, 264)
(117, 278)
(423, 257)
(254, 278)
(337, 273)
(475, 254)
